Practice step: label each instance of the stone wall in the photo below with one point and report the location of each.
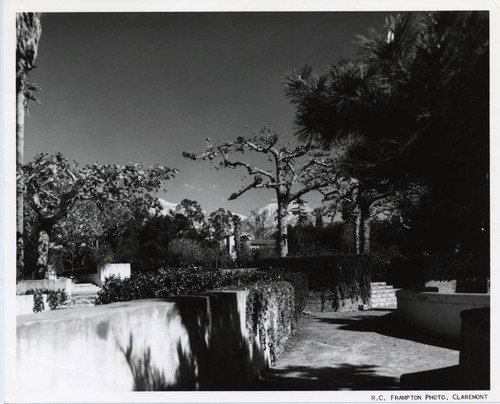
(181, 343)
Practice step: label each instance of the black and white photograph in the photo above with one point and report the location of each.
(221, 204)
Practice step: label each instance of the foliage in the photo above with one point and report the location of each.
(54, 185)
(221, 223)
(311, 240)
(38, 304)
(28, 32)
(54, 298)
(187, 281)
(471, 271)
(186, 252)
(287, 169)
(336, 277)
(271, 303)
(415, 108)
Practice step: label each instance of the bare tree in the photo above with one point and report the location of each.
(291, 176)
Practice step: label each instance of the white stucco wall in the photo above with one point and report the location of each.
(437, 313)
(185, 342)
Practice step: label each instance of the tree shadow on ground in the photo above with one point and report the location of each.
(389, 325)
(342, 377)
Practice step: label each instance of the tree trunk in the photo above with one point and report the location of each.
(282, 228)
(20, 112)
(43, 253)
(364, 228)
(366, 234)
(357, 230)
(237, 239)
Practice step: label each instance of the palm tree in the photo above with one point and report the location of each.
(415, 107)
(29, 30)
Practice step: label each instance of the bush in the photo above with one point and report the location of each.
(271, 303)
(471, 272)
(38, 304)
(54, 298)
(335, 277)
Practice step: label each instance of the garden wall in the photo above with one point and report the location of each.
(25, 303)
(46, 284)
(181, 343)
(475, 348)
(437, 313)
(443, 286)
(120, 270)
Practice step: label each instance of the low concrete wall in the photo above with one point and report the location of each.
(443, 286)
(475, 349)
(437, 313)
(180, 343)
(49, 284)
(105, 271)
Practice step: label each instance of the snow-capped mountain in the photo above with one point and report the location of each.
(170, 208)
(167, 207)
(262, 222)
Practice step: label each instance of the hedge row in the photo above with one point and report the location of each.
(271, 305)
(336, 277)
(352, 273)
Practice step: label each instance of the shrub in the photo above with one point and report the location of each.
(271, 303)
(335, 277)
(470, 271)
(38, 304)
(54, 298)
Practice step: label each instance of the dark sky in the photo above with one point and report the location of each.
(143, 87)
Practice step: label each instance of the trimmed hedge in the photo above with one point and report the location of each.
(336, 277)
(471, 272)
(271, 304)
(349, 276)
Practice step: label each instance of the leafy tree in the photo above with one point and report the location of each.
(286, 173)
(186, 252)
(28, 32)
(299, 210)
(318, 216)
(79, 232)
(192, 210)
(237, 236)
(54, 184)
(415, 109)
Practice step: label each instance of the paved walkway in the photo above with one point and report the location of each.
(362, 351)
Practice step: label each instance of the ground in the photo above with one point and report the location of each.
(368, 350)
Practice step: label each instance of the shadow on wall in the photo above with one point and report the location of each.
(342, 377)
(221, 356)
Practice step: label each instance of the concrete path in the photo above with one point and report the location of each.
(362, 351)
